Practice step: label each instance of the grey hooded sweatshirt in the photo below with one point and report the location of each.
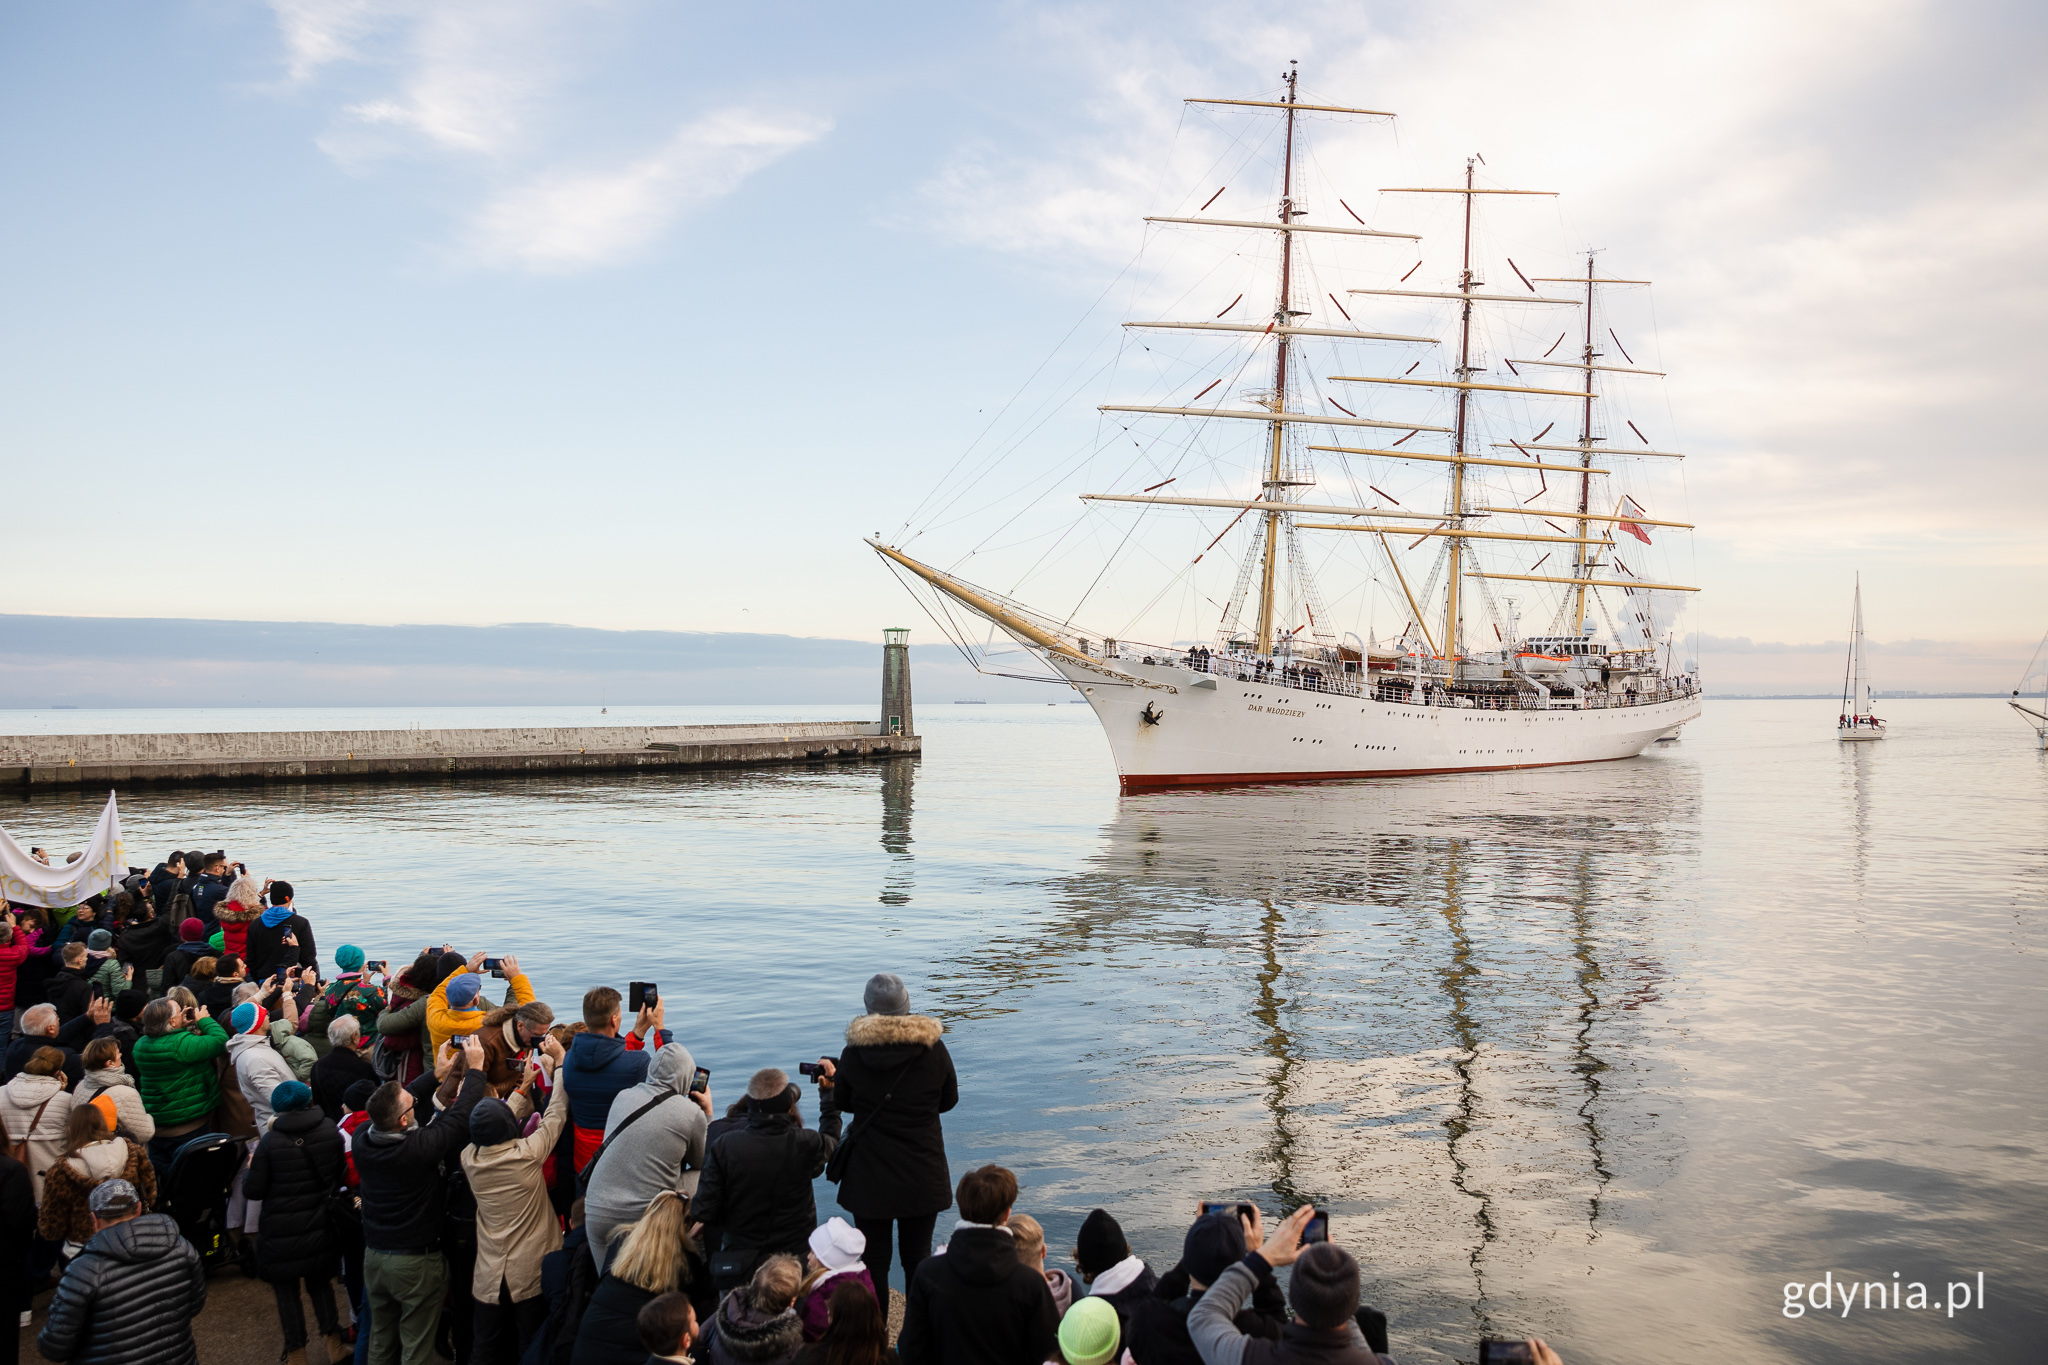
(663, 1150)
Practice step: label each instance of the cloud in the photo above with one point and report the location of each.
(491, 91)
(1840, 205)
(572, 219)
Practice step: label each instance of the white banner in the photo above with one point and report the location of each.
(105, 863)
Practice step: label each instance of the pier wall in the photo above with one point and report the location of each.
(327, 755)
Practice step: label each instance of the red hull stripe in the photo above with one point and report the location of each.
(1143, 781)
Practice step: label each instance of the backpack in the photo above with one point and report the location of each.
(385, 1059)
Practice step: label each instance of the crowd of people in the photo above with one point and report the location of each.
(495, 1185)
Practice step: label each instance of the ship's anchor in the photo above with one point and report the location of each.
(1149, 716)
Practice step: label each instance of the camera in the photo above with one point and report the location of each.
(815, 1070)
(495, 966)
(700, 1082)
(641, 995)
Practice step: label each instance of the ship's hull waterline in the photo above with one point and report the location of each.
(1237, 732)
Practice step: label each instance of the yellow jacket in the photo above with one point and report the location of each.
(444, 1021)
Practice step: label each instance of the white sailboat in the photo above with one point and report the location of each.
(1275, 693)
(2037, 719)
(1856, 723)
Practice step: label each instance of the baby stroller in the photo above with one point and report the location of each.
(202, 1173)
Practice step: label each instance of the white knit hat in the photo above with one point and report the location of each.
(837, 1244)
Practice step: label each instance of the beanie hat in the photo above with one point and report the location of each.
(463, 990)
(248, 1017)
(290, 1096)
(99, 940)
(1324, 1289)
(1212, 1246)
(886, 994)
(349, 958)
(219, 941)
(492, 1122)
(114, 1198)
(130, 1003)
(191, 931)
(105, 1104)
(1100, 1244)
(358, 1095)
(837, 1245)
(1089, 1332)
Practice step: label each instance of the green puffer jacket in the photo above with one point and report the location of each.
(180, 1071)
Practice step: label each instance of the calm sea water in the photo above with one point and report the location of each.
(1612, 1054)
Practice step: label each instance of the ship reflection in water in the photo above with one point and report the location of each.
(1431, 989)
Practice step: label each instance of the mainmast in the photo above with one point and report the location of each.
(1456, 510)
(1586, 557)
(1283, 316)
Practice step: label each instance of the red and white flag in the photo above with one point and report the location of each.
(1638, 532)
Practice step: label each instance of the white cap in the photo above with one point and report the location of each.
(837, 1244)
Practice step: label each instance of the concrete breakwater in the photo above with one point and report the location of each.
(320, 755)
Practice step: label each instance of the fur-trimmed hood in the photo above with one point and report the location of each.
(234, 912)
(748, 1333)
(894, 1030)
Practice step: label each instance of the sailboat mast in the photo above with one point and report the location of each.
(1452, 633)
(1856, 652)
(1584, 561)
(1276, 453)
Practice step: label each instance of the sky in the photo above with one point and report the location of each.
(638, 316)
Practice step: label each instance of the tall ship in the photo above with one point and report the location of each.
(1528, 638)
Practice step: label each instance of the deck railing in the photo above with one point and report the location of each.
(1427, 691)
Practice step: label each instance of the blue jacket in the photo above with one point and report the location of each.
(595, 1071)
(208, 892)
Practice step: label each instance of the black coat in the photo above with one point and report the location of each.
(129, 1298)
(610, 1332)
(145, 945)
(17, 1229)
(896, 1167)
(335, 1073)
(298, 1163)
(978, 1305)
(757, 1183)
(404, 1185)
(70, 990)
(178, 963)
(1156, 1329)
(264, 948)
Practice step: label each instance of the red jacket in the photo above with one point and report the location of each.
(235, 920)
(12, 953)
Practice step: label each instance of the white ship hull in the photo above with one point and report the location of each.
(1858, 734)
(1256, 732)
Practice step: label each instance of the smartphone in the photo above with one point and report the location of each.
(700, 1082)
(495, 966)
(1316, 1229)
(380, 966)
(1493, 1351)
(1237, 1207)
(641, 995)
(99, 992)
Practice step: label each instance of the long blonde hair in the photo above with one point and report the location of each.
(246, 892)
(655, 1255)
